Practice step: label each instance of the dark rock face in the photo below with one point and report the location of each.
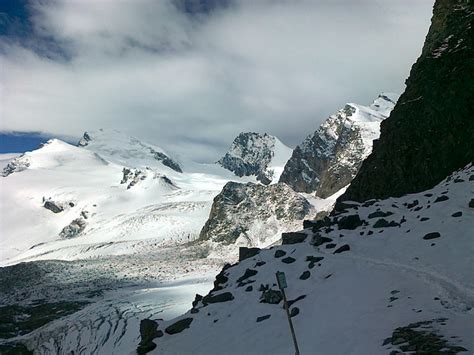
(293, 238)
(240, 206)
(250, 155)
(222, 297)
(179, 326)
(245, 253)
(148, 332)
(350, 222)
(429, 133)
(165, 160)
(14, 349)
(328, 160)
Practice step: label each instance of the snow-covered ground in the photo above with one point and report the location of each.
(117, 238)
(395, 275)
(162, 207)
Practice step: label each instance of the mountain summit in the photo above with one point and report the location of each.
(126, 150)
(329, 159)
(255, 154)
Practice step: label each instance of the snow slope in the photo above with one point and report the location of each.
(382, 273)
(160, 206)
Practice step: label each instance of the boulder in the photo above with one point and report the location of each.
(262, 318)
(279, 253)
(342, 249)
(441, 198)
(148, 332)
(305, 275)
(378, 214)
(53, 207)
(222, 297)
(350, 222)
(293, 238)
(383, 223)
(179, 326)
(432, 235)
(245, 253)
(248, 273)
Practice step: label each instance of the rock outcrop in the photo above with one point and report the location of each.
(253, 214)
(430, 132)
(329, 159)
(16, 165)
(255, 154)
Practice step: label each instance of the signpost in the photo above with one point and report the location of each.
(281, 280)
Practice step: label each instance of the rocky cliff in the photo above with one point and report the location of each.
(430, 132)
(255, 154)
(253, 214)
(329, 159)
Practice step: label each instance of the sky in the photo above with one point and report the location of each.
(189, 79)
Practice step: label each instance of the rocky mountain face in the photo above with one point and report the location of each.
(255, 154)
(329, 159)
(16, 165)
(253, 214)
(430, 131)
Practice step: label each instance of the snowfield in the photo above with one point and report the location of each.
(98, 236)
(384, 281)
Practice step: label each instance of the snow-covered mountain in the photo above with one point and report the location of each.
(384, 276)
(102, 231)
(329, 159)
(119, 148)
(259, 155)
(110, 195)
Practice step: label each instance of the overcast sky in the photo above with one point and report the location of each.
(191, 82)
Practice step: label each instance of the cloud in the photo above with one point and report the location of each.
(190, 83)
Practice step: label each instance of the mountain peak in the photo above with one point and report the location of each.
(328, 160)
(126, 150)
(256, 154)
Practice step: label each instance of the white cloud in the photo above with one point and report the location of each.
(191, 84)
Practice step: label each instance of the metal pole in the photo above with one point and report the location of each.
(285, 303)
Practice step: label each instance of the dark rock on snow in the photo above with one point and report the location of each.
(179, 326)
(293, 238)
(245, 253)
(432, 235)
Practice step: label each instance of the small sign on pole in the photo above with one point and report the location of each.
(281, 280)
